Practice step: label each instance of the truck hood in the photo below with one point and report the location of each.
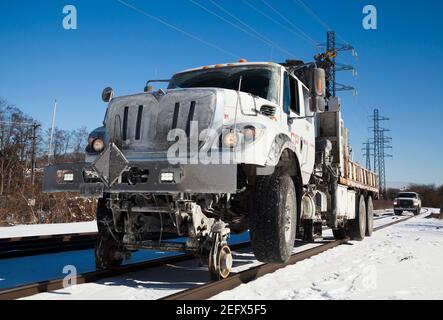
(141, 122)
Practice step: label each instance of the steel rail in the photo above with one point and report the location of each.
(213, 288)
(35, 245)
(204, 291)
(57, 284)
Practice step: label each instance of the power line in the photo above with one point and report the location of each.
(317, 17)
(190, 35)
(296, 33)
(307, 37)
(251, 28)
(255, 33)
(313, 14)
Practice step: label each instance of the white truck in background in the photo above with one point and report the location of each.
(226, 148)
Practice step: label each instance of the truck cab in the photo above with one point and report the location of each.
(407, 201)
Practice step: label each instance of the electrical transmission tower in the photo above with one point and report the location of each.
(332, 48)
(385, 143)
(367, 152)
(380, 144)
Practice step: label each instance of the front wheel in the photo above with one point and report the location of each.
(273, 218)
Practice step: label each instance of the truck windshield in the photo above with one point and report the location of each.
(257, 80)
(407, 195)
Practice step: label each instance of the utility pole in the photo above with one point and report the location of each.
(34, 138)
(52, 132)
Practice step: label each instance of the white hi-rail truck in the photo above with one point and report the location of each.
(226, 148)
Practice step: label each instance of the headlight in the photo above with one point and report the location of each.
(230, 140)
(395, 202)
(242, 134)
(98, 145)
(167, 177)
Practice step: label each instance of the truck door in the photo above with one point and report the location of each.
(301, 129)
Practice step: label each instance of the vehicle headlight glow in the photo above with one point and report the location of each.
(230, 140)
(167, 177)
(242, 133)
(98, 145)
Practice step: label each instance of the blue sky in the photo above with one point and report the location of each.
(398, 64)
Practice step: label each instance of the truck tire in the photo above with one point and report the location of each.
(107, 245)
(398, 212)
(357, 227)
(273, 217)
(369, 217)
(418, 211)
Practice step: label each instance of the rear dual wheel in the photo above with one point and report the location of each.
(369, 216)
(357, 226)
(362, 225)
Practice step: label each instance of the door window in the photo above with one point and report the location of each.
(290, 95)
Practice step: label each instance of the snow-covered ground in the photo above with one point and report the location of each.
(152, 283)
(47, 229)
(404, 261)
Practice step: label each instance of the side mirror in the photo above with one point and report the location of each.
(107, 94)
(318, 104)
(318, 89)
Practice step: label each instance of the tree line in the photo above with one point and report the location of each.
(24, 146)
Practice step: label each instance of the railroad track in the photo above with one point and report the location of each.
(208, 290)
(204, 291)
(35, 245)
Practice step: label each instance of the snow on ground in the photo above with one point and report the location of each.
(404, 261)
(157, 282)
(47, 229)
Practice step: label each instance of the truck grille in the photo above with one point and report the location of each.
(406, 203)
(142, 122)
